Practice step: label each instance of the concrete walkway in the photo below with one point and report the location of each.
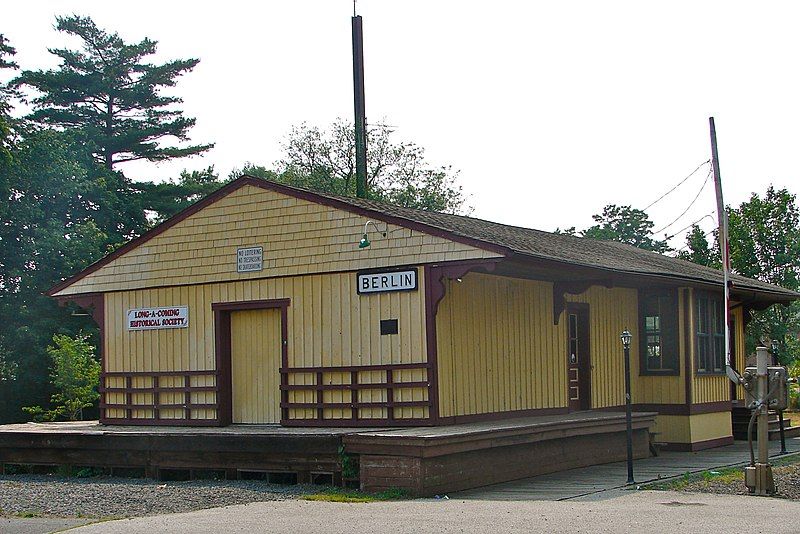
(606, 481)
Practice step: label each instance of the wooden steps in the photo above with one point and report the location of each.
(741, 418)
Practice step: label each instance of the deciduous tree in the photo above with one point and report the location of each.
(397, 171)
(626, 225)
(765, 244)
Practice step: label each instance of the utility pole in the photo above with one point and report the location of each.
(724, 247)
(360, 113)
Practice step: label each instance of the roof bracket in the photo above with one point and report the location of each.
(561, 289)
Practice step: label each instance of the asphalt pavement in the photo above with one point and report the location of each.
(629, 511)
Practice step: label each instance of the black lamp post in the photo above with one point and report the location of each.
(780, 412)
(626, 346)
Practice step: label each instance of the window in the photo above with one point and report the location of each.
(658, 347)
(710, 321)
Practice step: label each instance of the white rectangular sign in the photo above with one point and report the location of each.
(157, 318)
(391, 281)
(249, 259)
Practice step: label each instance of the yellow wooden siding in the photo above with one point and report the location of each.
(708, 426)
(497, 347)
(610, 312)
(298, 237)
(672, 429)
(255, 363)
(329, 324)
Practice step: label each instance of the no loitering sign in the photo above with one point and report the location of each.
(158, 318)
(249, 259)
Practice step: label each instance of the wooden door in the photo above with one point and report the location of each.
(255, 365)
(579, 367)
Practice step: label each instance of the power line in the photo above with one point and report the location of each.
(653, 203)
(687, 207)
(691, 224)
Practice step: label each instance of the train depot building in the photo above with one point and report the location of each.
(277, 330)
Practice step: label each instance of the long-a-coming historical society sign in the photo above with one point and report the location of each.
(156, 318)
(377, 282)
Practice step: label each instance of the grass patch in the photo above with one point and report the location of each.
(344, 495)
(27, 514)
(725, 475)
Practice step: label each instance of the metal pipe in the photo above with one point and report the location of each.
(750, 437)
(783, 436)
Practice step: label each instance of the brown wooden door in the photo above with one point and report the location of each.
(579, 367)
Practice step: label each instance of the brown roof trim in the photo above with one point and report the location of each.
(279, 188)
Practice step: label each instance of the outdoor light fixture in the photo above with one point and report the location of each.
(365, 242)
(626, 336)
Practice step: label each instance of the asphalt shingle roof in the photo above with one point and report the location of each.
(593, 253)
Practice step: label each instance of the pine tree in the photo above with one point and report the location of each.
(7, 92)
(111, 94)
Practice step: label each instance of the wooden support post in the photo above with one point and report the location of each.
(129, 396)
(156, 395)
(187, 397)
(389, 395)
(320, 397)
(354, 393)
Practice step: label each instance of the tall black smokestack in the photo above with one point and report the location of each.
(361, 119)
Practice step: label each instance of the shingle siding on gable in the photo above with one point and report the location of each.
(298, 237)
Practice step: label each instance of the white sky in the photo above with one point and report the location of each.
(551, 110)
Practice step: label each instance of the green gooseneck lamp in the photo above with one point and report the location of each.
(365, 242)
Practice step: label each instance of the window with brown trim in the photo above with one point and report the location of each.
(658, 327)
(710, 333)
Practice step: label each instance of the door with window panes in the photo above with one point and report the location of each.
(579, 367)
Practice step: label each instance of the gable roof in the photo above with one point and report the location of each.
(511, 241)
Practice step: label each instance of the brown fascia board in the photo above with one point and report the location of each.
(279, 188)
(779, 295)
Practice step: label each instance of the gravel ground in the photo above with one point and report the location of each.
(787, 482)
(104, 497)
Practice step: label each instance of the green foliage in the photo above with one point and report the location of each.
(111, 94)
(251, 169)
(764, 235)
(765, 245)
(626, 225)
(699, 251)
(7, 92)
(397, 172)
(75, 375)
(354, 496)
(350, 467)
(165, 199)
(70, 471)
(60, 212)
(63, 207)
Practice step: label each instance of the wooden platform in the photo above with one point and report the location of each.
(432, 460)
(235, 449)
(423, 460)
